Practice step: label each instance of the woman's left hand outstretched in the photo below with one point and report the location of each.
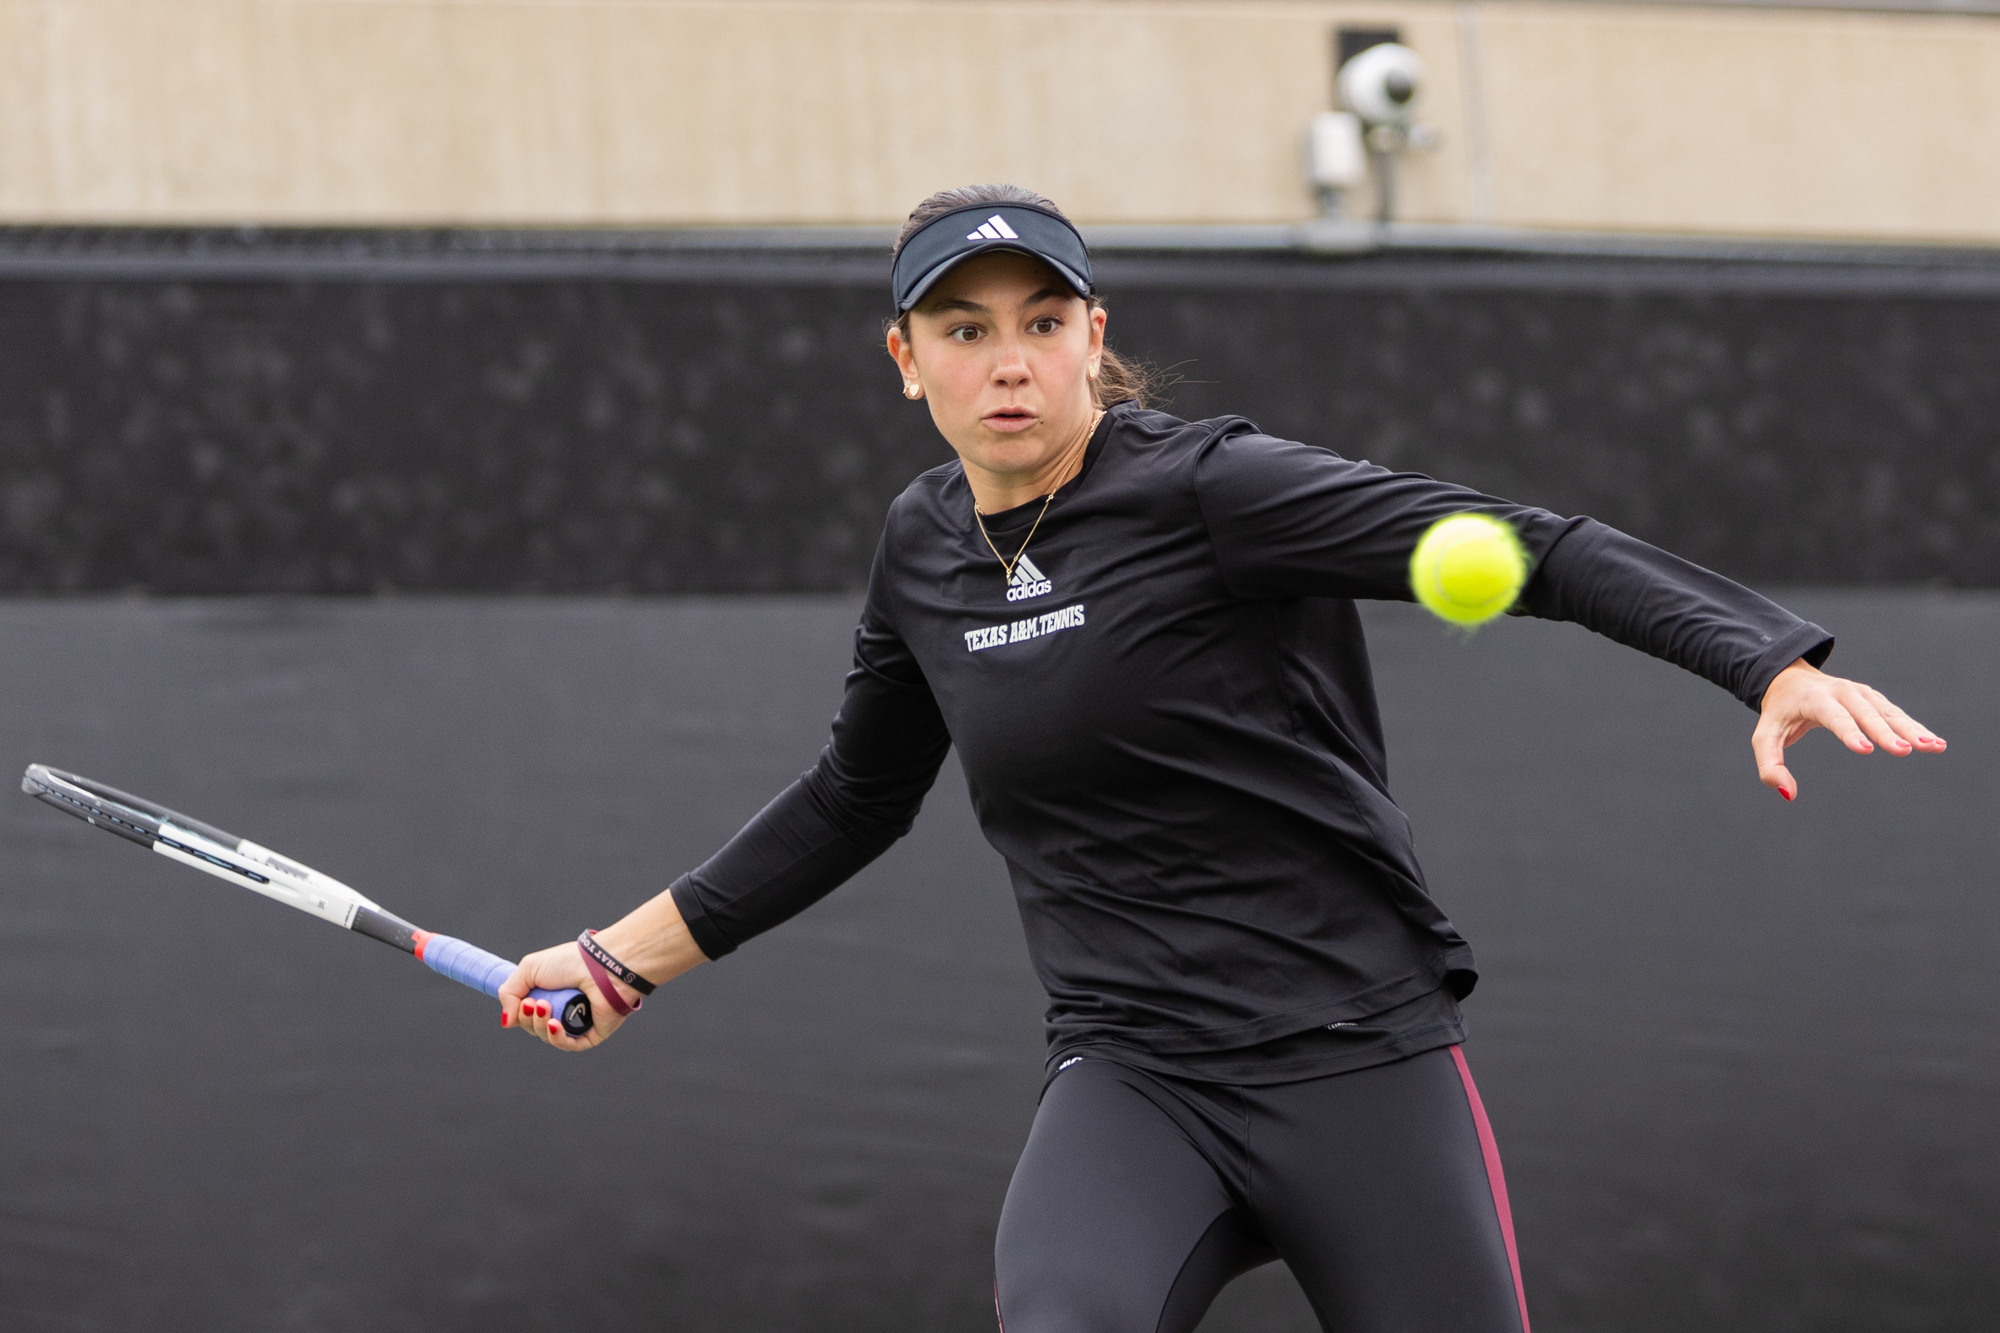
(1803, 697)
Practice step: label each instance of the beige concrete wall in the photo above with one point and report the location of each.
(1759, 121)
(748, 111)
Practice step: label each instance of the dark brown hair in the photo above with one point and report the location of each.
(1118, 380)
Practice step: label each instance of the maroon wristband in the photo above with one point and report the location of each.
(588, 943)
(607, 987)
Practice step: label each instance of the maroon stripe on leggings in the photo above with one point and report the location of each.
(1491, 1151)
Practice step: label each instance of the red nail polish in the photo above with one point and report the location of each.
(554, 1029)
(503, 1018)
(1782, 792)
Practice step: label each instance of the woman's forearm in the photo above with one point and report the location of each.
(867, 787)
(653, 941)
(1652, 600)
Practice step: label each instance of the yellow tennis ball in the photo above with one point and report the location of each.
(1468, 568)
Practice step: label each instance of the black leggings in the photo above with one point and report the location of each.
(1138, 1197)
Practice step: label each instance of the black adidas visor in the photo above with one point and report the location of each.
(950, 240)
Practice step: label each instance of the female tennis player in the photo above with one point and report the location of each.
(1140, 633)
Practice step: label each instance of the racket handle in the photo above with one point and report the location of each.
(470, 965)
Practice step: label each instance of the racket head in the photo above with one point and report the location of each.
(209, 849)
(238, 860)
(114, 811)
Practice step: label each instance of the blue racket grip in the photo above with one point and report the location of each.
(470, 965)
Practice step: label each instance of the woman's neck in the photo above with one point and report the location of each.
(995, 492)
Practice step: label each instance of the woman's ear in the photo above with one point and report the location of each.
(906, 361)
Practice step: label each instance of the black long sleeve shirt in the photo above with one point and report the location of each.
(1169, 729)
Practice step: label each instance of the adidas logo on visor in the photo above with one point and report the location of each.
(994, 228)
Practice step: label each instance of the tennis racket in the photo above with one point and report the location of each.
(261, 870)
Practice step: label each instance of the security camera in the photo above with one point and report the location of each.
(1380, 84)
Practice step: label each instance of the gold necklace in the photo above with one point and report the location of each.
(1006, 565)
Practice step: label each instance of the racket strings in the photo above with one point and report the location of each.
(93, 811)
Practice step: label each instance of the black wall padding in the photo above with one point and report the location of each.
(1741, 1056)
(731, 423)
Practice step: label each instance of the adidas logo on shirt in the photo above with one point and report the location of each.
(994, 228)
(1027, 581)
